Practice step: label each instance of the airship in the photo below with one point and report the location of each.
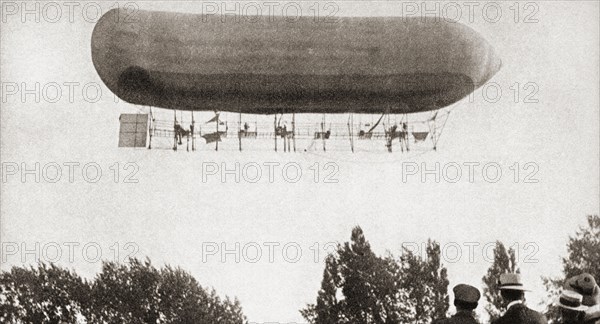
(370, 65)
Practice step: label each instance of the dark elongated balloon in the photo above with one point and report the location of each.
(269, 65)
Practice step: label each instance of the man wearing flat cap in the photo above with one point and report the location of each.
(465, 300)
(513, 292)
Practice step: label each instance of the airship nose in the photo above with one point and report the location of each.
(494, 64)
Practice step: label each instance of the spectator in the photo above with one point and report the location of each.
(571, 309)
(465, 300)
(513, 292)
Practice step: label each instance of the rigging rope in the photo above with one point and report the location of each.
(377, 123)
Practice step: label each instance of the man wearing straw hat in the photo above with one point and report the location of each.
(586, 286)
(513, 292)
(572, 311)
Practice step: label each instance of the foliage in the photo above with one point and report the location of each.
(46, 294)
(505, 261)
(134, 292)
(583, 255)
(426, 281)
(360, 287)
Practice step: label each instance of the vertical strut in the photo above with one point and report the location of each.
(218, 135)
(187, 147)
(286, 146)
(150, 129)
(192, 130)
(174, 130)
(432, 130)
(286, 139)
(350, 127)
(406, 141)
(388, 131)
(240, 131)
(323, 132)
(294, 130)
(275, 131)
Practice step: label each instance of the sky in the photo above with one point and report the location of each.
(167, 206)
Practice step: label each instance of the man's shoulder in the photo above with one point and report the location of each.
(456, 320)
(535, 314)
(521, 314)
(499, 320)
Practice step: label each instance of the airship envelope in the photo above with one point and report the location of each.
(274, 65)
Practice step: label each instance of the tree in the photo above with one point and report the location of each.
(43, 294)
(126, 293)
(327, 309)
(137, 292)
(505, 261)
(369, 284)
(583, 255)
(181, 298)
(426, 281)
(134, 292)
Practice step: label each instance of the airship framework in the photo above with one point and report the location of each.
(393, 67)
